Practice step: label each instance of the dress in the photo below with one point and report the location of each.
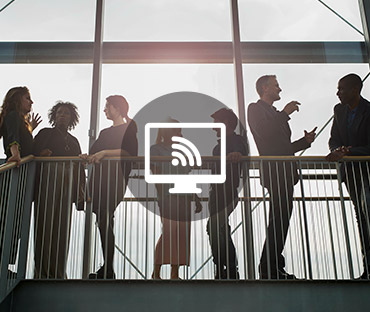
(52, 206)
(223, 199)
(272, 135)
(173, 246)
(355, 132)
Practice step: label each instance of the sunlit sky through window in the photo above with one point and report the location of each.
(314, 85)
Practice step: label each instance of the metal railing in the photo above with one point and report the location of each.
(322, 239)
(16, 194)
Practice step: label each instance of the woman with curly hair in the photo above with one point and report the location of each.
(53, 206)
(16, 124)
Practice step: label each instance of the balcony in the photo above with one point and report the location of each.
(322, 248)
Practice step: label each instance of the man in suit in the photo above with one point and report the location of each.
(272, 135)
(350, 135)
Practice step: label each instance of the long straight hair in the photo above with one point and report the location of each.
(160, 135)
(13, 102)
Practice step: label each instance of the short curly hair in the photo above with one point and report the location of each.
(75, 117)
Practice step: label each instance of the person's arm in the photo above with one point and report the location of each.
(12, 124)
(305, 141)
(16, 157)
(97, 157)
(129, 142)
(198, 204)
(335, 140)
(40, 143)
(265, 126)
(362, 150)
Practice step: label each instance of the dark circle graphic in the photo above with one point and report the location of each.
(189, 119)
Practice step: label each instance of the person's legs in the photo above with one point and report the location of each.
(281, 205)
(222, 246)
(106, 224)
(158, 259)
(216, 239)
(359, 191)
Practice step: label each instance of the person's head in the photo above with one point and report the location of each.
(227, 117)
(268, 88)
(349, 88)
(17, 99)
(166, 134)
(116, 106)
(64, 115)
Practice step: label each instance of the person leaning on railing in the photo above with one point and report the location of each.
(16, 126)
(223, 198)
(106, 194)
(350, 136)
(53, 207)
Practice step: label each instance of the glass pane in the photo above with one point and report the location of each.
(314, 86)
(40, 20)
(167, 20)
(141, 84)
(51, 83)
(304, 20)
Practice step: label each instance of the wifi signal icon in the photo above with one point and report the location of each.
(183, 147)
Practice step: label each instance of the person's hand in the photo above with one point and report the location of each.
(35, 121)
(198, 206)
(291, 107)
(234, 156)
(80, 206)
(310, 136)
(96, 158)
(46, 152)
(83, 156)
(338, 154)
(15, 158)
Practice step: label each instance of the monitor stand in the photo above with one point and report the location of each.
(185, 187)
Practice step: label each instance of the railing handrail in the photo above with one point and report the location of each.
(10, 165)
(206, 158)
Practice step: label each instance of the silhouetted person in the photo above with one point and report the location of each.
(173, 246)
(223, 198)
(106, 194)
(16, 126)
(272, 135)
(53, 205)
(350, 136)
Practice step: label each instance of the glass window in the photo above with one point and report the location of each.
(167, 20)
(304, 20)
(40, 20)
(141, 84)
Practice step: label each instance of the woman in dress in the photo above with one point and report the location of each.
(173, 244)
(53, 205)
(109, 178)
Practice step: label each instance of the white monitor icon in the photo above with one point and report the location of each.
(184, 154)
